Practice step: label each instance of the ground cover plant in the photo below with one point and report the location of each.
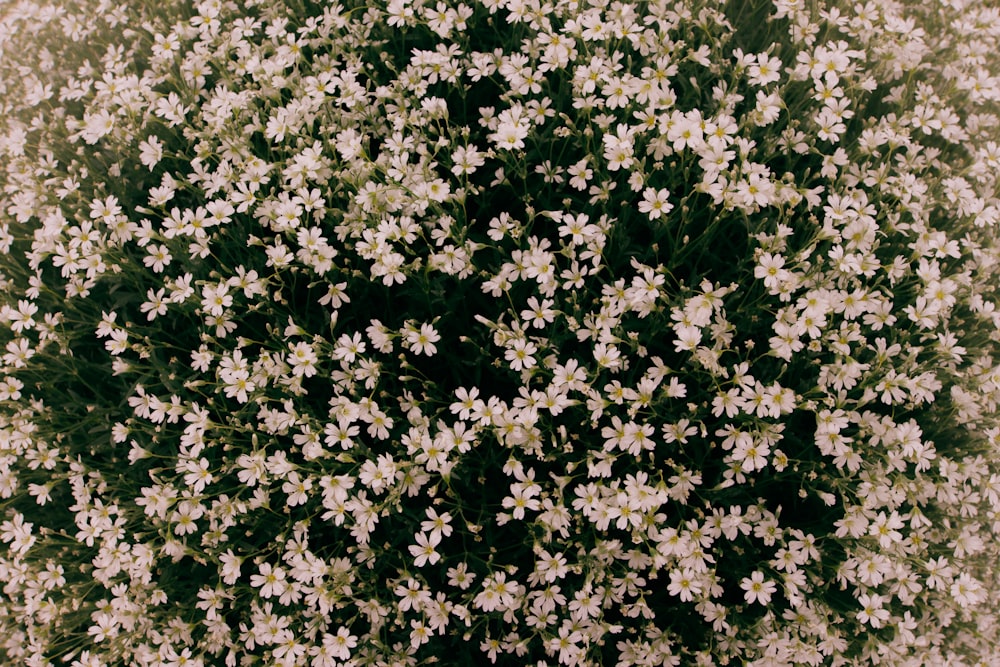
(507, 332)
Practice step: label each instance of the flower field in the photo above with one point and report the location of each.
(499, 332)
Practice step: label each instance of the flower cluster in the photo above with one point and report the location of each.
(499, 331)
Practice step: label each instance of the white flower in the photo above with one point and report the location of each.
(460, 577)
(155, 304)
(97, 125)
(685, 584)
(303, 359)
(519, 354)
(424, 552)
(150, 152)
(766, 70)
(655, 203)
(348, 347)
(512, 130)
(618, 148)
(756, 589)
(297, 488)
(269, 579)
(872, 612)
(437, 523)
(17, 533)
(769, 269)
(237, 384)
(421, 341)
(466, 159)
(340, 645)
(685, 130)
(10, 388)
(607, 356)
(967, 591)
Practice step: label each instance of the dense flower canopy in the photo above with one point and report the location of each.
(500, 331)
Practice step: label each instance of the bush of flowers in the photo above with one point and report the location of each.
(516, 332)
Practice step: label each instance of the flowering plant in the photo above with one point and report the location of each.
(499, 331)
